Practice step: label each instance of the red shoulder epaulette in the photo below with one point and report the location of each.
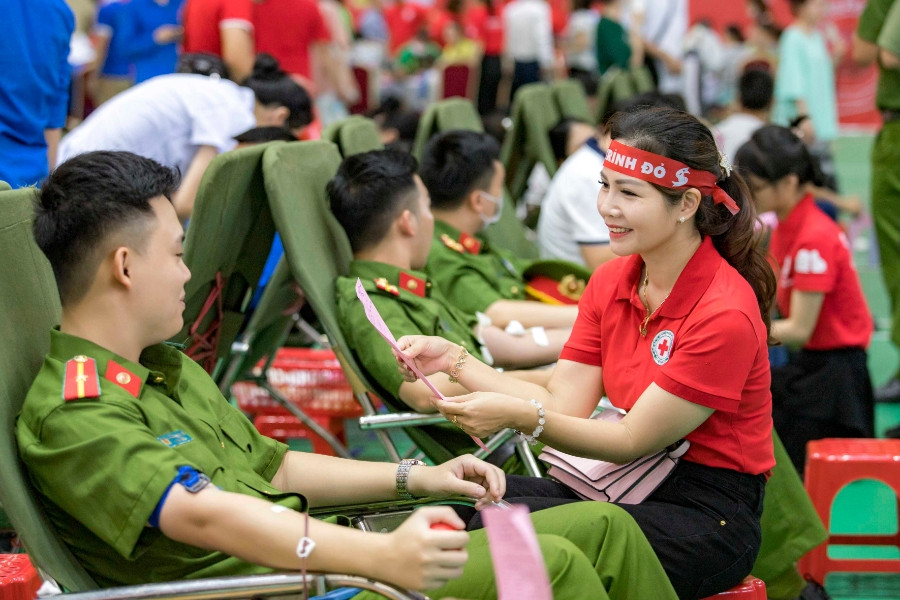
(80, 379)
(413, 284)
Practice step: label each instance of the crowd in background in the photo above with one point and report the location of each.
(359, 55)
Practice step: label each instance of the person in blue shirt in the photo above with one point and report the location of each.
(157, 32)
(34, 87)
(114, 72)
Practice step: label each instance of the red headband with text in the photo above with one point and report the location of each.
(666, 172)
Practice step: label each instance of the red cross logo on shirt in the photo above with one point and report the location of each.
(661, 347)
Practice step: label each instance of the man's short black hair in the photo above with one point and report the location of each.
(755, 88)
(456, 162)
(85, 202)
(369, 191)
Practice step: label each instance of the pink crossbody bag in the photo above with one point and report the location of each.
(604, 481)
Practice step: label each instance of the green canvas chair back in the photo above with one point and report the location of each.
(317, 250)
(268, 326)
(642, 80)
(534, 114)
(571, 100)
(227, 242)
(354, 135)
(445, 115)
(617, 85)
(29, 307)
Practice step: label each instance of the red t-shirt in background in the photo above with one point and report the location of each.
(404, 19)
(286, 29)
(487, 29)
(204, 20)
(706, 344)
(813, 255)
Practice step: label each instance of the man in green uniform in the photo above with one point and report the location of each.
(149, 474)
(465, 182)
(877, 39)
(385, 210)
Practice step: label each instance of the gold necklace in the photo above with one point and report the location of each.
(650, 313)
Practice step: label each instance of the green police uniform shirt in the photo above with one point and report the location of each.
(101, 464)
(879, 24)
(405, 312)
(470, 273)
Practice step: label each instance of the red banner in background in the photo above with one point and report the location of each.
(855, 85)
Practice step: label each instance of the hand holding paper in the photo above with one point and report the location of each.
(382, 328)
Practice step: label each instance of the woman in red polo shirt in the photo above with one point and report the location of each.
(824, 390)
(675, 332)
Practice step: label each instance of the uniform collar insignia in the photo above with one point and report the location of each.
(471, 244)
(413, 284)
(80, 379)
(123, 378)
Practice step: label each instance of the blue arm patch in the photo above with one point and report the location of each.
(189, 477)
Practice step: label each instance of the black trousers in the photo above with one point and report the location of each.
(524, 72)
(820, 394)
(491, 73)
(702, 522)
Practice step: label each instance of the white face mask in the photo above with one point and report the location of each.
(498, 202)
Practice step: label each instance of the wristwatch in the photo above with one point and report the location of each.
(403, 476)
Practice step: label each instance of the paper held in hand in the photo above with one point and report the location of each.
(382, 328)
(518, 564)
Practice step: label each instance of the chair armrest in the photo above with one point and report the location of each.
(404, 419)
(242, 586)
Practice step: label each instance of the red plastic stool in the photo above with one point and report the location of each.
(750, 588)
(19, 580)
(830, 465)
(284, 427)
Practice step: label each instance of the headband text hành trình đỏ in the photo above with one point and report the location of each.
(665, 172)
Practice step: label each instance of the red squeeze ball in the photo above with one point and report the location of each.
(443, 526)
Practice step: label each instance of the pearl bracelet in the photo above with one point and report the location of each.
(532, 439)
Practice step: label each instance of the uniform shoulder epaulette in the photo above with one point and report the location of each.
(80, 379)
(382, 284)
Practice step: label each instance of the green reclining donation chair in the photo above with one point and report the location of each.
(227, 241)
(571, 100)
(317, 251)
(353, 135)
(534, 113)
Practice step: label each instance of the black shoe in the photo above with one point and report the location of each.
(813, 591)
(889, 392)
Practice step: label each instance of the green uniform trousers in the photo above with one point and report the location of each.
(886, 214)
(592, 550)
